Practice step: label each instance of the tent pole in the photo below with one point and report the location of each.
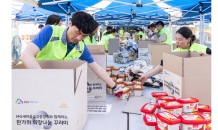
(17, 24)
(170, 23)
(200, 36)
(202, 29)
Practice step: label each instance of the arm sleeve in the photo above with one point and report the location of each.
(86, 55)
(161, 62)
(208, 51)
(42, 38)
(163, 37)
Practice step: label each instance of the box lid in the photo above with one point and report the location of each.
(137, 87)
(128, 83)
(207, 116)
(108, 69)
(204, 108)
(138, 83)
(150, 119)
(167, 98)
(110, 66)
(148, 108)
(126, 89)
(121, 85)
(157, 94)
(171, 105)
(187, 100)
(158, 102)
(120, 81)
(121, 76)
(193, 119)
(115, 68)
(168, 118)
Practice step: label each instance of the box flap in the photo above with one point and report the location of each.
(158, 48)
(81, 70)
(197, 65)
(100, 48)
(173, 63)
(144, 43)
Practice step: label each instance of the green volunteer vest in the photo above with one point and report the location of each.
(169, 39)
(121, 32)
(56, 48)
(88, 41)
(194, 48)
(104, 32)
(106, 38)
(141, 33)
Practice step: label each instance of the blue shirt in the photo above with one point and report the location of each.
(43, 37)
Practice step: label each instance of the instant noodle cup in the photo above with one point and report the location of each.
(148, 108)
(108, 70)
(138, 83)
(158, 102)
(120, 81)
(167, 98)
(157, 128)
(129, 84)
(138, 90)
(173, 107)
(168, 121)
(110, 66)
(126, 77)
(114, 76)
(115, 70)
(204, 108)
(195, 112)
(207, 116)
(150, 121)
(126, 93)
(193, 122)
(189, 104)
(109, 89)
(155, 95)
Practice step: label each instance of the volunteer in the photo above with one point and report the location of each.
(165, 36)
(139, 32)
(53, 20)
(90, 40)
(184, 41)
(150, 33)
(107, 30)
(40, 27)
(121, 31)
(106, 37)
(59, 43)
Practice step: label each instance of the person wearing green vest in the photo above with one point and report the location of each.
(165, 36)
(121, 31)
(90, 40)
(60, 43)
(107, 30)
(105, 38)
(139, 32)
(184, 41)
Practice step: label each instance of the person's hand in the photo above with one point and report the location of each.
(143, 78)
(118, 91)
(201, 53)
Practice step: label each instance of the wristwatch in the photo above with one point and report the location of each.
(114, 86)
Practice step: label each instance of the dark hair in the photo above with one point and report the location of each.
(148, 26)
(160, 23)
(153, 25)
(186, 33)
(108, 27)
(40, 26)
(111, 31)
(135, 29)
(53, 20)
(84, 22)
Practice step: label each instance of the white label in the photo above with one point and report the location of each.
(192, 117)
(206, 116)
(190, 107)
(185, 99)
(161, 101)
(137, 86)
(151, 118)
(172, 84)
(159, 93)
(143, 53)
(128, 82)
(149, 107)
(136, 82)
(162, 125)
(168, 116)
(120, 80)
(171, 103)
(166, 97)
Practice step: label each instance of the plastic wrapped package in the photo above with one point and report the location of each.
(122, 60)
(115, 55)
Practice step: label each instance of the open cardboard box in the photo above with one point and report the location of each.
(96, 87)
(54, 97)
(156, 50)
(187, 74)
(143, 48)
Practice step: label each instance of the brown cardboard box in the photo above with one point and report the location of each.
(114, 45)
(96, 87)
(156, 50)
(187, 75)
(55, 96)
(143, 49)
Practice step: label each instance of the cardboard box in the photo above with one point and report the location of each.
(156, 50)
(96, 87)
(186, 74)
(54, 97)
(143, 49)
(114, 45)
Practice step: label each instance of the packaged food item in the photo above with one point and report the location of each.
(150, 121)
(121, 76)
(148, 108)
(155, 95)
(173, 107)
(126, 93)
(129, 84)
(189, 104)
(120, 81)
(157, 128)
(167, 98)
(109, 89)
(138, 90)
(207, 116)
(158, 102)
(138, 83)
(204, 108)
(108, 70)
(168, 121)
(195, 112)
(114, 76)
(193, 122)
(115, 70)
